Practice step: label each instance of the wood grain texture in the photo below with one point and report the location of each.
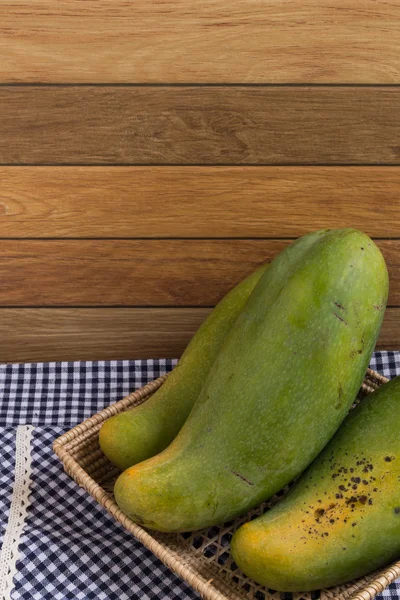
(389, 338)
(201, 125)
(213, 202)
(30, 335)
(139, 273)
(127, 273)
(207, 41)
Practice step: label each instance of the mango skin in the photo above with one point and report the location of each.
(134, 435)
(342, 519)
(283, 382)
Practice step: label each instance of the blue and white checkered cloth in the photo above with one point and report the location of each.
(64, 554)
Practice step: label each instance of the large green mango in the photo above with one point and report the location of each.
(342, 519)
(281, 385)
(134, 435)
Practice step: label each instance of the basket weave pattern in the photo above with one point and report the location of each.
(202, 558)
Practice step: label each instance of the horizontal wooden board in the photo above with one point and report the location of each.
(34, 335)
(199, 125)
(389, 338)
(213, 202)
(139, 273)
(180, 41)
(91, 334)
(129, 272)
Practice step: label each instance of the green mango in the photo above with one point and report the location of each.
(134, 435)
(282, 383)
(342, 518)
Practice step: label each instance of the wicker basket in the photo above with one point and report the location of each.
(201, 558)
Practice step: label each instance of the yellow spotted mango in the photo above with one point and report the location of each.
(342, 519)
(281, 385)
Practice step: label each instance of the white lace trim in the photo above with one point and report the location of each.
(18, 508)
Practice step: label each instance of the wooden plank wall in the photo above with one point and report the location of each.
(154, 153)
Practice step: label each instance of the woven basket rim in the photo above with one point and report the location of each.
(182, 568)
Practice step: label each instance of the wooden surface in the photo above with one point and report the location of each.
(199, 125)
(202, 41)
(90, 334)
(140, 272)
(116, 333)
(127, 272)
(153, 153)
(208, 202)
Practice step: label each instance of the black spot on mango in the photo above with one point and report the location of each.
(357, 517)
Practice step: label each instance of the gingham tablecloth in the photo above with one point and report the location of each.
(56, 543)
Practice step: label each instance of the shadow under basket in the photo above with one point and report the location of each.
(201, 558)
